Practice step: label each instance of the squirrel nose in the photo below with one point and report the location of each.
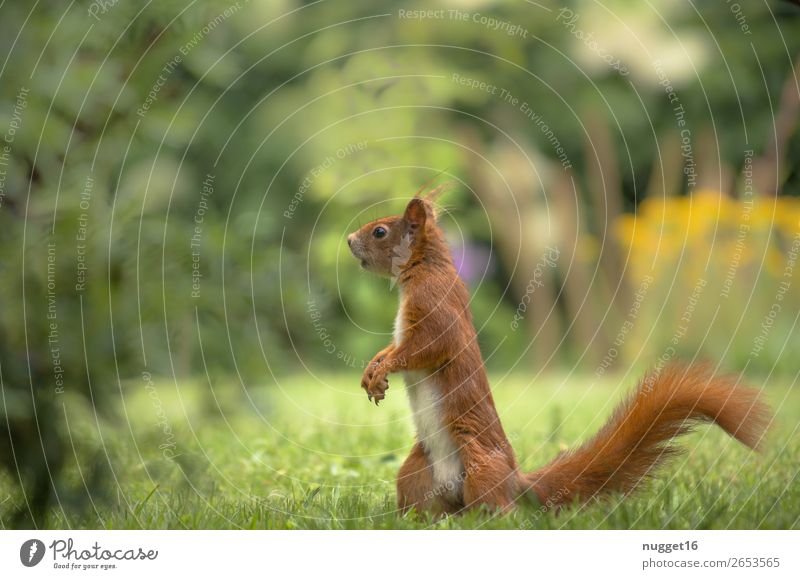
(350, 240)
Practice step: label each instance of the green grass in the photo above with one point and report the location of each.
(314, 454)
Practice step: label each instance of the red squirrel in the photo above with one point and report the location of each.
(462, 457)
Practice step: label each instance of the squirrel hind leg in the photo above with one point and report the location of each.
(416, 489)
(491, 478)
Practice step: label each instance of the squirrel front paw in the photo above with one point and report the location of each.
(375, 383)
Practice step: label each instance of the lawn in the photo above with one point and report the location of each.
(312, 453)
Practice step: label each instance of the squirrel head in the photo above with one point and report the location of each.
(385, 246)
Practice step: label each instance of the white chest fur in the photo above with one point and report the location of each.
(425, 396)
(398, 324)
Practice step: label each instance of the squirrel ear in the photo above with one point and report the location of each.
(415, 214)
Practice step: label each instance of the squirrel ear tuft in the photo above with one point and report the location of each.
(415, 214)
(430, 194)
(433, 193)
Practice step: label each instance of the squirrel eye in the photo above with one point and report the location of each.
(379, 232)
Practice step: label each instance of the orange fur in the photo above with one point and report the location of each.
(463, 458)
(634, 441)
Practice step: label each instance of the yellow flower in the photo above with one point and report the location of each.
(774, 262)
(677, 237)
(788, 215)
(764, 214)
(624, 230)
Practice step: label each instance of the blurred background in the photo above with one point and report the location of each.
(177, 180)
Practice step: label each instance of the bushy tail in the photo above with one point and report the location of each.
(635, 440)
